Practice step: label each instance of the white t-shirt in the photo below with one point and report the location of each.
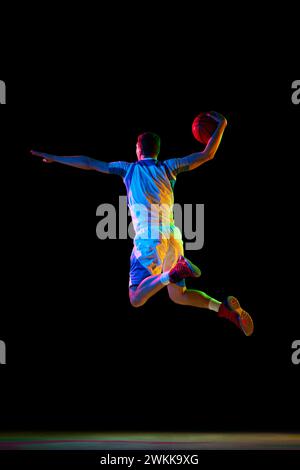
(149, 183)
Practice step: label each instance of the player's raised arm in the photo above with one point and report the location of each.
(192, 161)
(215, 140)
(85, 163)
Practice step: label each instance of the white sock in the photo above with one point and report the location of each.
(214, 305)
(164, 278)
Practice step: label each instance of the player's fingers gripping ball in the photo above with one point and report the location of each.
(203, 127)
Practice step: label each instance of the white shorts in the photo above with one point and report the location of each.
(150, 257)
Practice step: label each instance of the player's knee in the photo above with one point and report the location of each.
(135, 300)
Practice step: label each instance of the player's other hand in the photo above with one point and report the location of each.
(217, 117)
(45, 156)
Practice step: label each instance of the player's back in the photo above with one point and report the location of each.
(150, 194)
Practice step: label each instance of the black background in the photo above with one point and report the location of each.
(78, 355)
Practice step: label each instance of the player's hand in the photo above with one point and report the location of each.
(45, 156)
(217, 117)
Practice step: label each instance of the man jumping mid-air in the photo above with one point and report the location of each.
(157, 259)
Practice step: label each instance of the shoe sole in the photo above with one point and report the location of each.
(234, 305)
(195, 270)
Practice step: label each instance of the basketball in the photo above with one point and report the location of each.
(203, 128)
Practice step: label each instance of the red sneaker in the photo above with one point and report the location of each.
(183, 268)
(232, 310)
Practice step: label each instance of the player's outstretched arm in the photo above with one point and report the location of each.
(78, 161)
(196, 159)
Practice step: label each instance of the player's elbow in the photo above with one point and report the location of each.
(88, 162)
(210, 155)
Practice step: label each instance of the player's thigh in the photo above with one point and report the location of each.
(175, 249)
(176, 292)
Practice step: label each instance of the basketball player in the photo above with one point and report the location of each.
(157, 260)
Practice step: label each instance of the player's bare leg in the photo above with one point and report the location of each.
(146, 289)
(153, 284)
(194, 298)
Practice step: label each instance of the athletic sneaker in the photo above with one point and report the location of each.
(232, 310)
(183, 269)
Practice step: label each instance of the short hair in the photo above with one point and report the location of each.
(149, 143)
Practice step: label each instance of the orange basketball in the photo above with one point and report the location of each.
(203, 128)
